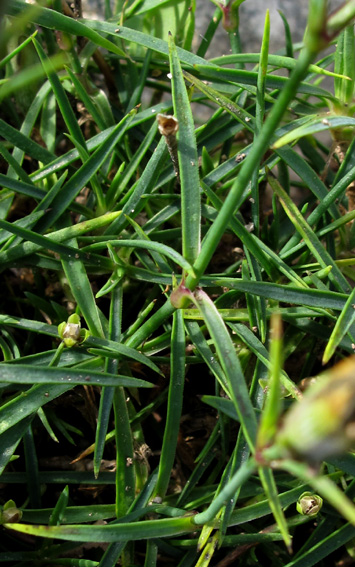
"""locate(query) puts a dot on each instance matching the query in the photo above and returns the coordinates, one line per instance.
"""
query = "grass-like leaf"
(312, 241)
(31, 374)
(175, 399)
(342, 325)
(80, 139)
(112, 533)
(54, 20)
(188, 161)
(230, 364)
(314, 127)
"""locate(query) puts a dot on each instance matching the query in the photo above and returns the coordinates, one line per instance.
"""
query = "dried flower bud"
(168, 125)
(322, 424)
(309, 504)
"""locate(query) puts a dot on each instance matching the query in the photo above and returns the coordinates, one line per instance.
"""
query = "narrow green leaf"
(57, 515)
(287, 294)
(107, 393)
(197, 337)
(151, 554)
(45, 242)
(339, 65)
(237, 480)
(188, 161)
(32, 74)
(25, 222)
(288, 39)
(81, 289)
(242, 77)
(262, 74)
(254, 344)
(342, 325)
(323, 548)
(272, 408)
(347, 87)
(17, 50)
(60, 95)
(146, 182)
(23, 142)
(83, 175)
(54, 20)
(240, 315)
(314, 245)
(259, 147)
(274, 60)
(26, 248)
(175, 400)
(229, 361)
(86, 99)
(222, 405)
(132, 531)
(238, 112)
(104, 414)
(269, 485)
(26, 404)
(31, 374)
(114, 350)
(13, 163)
(147, 245)
(125, 469)
(144, 39)
(321, 124)
(32, 472)
(10, 438)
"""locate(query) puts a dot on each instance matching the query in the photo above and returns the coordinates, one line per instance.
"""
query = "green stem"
(228, 492)
(151, 325)
(57, 355)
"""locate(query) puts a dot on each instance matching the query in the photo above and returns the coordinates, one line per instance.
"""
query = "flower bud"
(10, 513)
(309, 504)
(322, 424)
(70, 332)
(181, 297)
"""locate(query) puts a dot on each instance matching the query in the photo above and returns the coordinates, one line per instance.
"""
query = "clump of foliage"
(170, 281)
